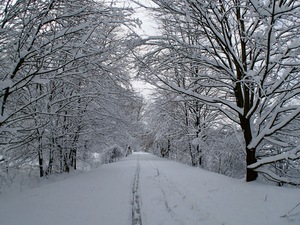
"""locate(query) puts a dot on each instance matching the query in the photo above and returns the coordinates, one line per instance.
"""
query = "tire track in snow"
(168, 207)
(136, 208)
(176, 200)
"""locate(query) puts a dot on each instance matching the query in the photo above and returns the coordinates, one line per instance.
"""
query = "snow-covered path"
(146, 190)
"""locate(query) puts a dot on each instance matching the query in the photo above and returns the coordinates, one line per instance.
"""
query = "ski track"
(136, 206)
(143, 189)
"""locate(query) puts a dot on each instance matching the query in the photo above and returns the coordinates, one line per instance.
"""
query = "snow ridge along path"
(143, 189)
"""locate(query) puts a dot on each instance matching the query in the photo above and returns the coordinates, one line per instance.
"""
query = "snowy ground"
(144, 189)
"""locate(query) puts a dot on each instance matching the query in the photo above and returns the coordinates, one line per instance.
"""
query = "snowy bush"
(112, 154)
(224, 153)
(221, 150)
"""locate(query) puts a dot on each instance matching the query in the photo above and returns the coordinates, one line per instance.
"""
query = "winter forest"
(224, 76)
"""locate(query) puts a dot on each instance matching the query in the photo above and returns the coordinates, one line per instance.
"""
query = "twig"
(290, 210)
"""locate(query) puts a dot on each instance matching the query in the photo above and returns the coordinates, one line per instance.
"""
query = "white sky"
(148, 24)
(144, 88)
(148, 28)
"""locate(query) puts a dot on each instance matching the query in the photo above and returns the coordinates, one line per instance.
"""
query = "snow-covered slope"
(145, 189)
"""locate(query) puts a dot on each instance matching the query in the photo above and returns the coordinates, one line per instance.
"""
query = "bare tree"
(249, 55)
(63, 74)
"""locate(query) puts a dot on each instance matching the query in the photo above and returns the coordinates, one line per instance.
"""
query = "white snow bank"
(179, 194)
(169, 193)
(100, 197)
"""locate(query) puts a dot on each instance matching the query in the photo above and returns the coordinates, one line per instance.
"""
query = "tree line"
(65, 92)
(226, 75)
(222, 64)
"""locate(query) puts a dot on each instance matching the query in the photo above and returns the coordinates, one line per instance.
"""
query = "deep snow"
(145, 189)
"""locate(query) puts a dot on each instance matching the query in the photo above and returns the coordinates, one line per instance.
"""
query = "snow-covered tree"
(165, 122)
(65, 87)
(247, 54)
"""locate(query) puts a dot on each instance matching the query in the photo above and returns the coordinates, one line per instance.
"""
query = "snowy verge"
(166, 193)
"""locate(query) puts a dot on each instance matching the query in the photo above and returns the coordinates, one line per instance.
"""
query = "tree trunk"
(51, 158)
(72, 158)
(41, 166)
(50, 164)
(61, 159)
(251, 174)
(75, 159)
(40, 156)
(73, 151)
(200, 159)
(169, 147)
(66, 164)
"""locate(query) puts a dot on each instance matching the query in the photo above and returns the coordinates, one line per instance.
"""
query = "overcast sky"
(149, 27)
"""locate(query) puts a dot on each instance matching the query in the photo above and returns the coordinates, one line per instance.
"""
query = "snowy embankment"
(145, 189)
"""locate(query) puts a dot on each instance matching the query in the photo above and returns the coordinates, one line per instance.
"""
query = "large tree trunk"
(251, 174)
